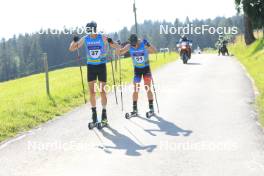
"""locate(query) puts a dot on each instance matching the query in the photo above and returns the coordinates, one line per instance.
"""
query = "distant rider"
(222, 45)
(185, 39)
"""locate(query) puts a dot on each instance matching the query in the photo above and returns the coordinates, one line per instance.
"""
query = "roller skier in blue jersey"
(96, 49)
(139, 51)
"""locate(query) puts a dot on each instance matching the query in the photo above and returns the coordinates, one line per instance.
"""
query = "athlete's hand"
(76, 38)
(110, 40)
(146, 43)
(119, 42)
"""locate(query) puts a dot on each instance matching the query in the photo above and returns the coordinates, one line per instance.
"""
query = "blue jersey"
(95, 49)
(140, 56)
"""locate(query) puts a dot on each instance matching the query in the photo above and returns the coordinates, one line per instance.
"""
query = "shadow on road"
(167, 127)
(190, 63)
(123, 142)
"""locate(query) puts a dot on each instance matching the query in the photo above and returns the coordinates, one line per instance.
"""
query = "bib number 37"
(95, 53)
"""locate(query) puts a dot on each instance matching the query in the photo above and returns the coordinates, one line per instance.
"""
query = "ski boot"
(104, 121)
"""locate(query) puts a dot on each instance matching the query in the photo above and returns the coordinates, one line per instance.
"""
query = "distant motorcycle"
(185, 50)
(224, 50)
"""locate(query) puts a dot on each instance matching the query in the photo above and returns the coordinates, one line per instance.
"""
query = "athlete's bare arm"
(123, 50)
(76, 45)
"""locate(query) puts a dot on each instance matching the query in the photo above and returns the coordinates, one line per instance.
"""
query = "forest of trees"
(22, 55)
(253, 11)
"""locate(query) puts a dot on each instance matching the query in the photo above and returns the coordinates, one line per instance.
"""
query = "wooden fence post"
(46, 69)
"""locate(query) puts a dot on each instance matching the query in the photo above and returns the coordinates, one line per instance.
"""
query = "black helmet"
(184, 38)
(133, 39)
(91, 27)
(119, 42)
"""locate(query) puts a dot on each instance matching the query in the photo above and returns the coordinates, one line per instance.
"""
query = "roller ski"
(104, 121)
(131, 114)
(134, 113)
(94, 123)
(99, 125)
(150, 114)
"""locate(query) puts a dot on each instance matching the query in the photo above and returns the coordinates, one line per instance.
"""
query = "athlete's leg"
(91, 76)
(147, 85)
(102, 77)
(92, 93)
(103, 94)
(137, 80)
(148, 90)
(103, 101)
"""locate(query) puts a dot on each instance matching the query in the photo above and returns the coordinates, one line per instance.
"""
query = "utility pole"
(135, 13)
(46, 69)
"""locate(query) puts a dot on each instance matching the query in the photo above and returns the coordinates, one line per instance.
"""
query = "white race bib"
(95, 53)
(140, 59)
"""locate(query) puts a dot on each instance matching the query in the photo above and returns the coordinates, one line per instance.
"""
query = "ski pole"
(78, 55)
(121, 86)
(113, 75)
(115, 63)
(153, 85)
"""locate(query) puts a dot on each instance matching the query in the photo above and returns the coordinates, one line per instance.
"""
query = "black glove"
(146, 43)
(76, 38)
(110, 40)
(119, 42)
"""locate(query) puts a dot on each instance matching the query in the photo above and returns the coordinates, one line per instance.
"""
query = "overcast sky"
(19, 16)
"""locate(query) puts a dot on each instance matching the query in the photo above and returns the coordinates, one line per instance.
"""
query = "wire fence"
(57, 66)
(41, 69)
(72, 62)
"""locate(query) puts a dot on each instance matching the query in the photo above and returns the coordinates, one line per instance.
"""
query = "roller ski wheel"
(150, 114)
(130, 115)
(92, 125)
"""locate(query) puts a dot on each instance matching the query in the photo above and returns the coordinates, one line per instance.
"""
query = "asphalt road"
(206, 127)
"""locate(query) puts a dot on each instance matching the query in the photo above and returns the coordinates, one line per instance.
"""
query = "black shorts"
(95, 72)
(142, 72)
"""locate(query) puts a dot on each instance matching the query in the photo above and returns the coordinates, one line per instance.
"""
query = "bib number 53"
(140, 59)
